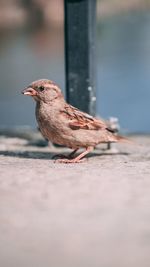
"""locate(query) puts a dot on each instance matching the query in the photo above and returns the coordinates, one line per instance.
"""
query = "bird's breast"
(51, 126)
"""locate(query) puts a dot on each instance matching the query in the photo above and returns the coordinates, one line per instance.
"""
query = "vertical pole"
(80, 28)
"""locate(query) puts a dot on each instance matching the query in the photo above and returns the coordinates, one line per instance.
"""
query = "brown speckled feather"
(81, 120)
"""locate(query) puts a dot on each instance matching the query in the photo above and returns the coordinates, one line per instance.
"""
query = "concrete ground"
(93, 214)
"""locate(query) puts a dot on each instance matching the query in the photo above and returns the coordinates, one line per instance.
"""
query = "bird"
(64, 124)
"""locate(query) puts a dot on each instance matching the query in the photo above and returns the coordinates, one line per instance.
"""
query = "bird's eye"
(41, 88)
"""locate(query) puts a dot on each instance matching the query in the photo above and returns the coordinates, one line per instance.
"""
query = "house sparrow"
(66, 125)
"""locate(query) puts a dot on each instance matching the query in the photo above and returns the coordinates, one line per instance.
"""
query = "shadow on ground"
(50, 155)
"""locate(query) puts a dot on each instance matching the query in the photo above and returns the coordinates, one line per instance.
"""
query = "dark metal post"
(80, 28)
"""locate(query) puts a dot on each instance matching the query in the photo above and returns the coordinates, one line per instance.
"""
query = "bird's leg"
(72, 153)
(78, 158)
(83, 154)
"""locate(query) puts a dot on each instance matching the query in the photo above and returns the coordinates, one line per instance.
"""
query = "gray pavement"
(93, 214)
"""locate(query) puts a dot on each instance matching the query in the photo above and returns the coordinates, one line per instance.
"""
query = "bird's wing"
(81, 120)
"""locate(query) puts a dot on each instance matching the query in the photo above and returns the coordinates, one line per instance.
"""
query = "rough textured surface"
(90, 214)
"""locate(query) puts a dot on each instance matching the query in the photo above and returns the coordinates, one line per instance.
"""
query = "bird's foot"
(77, 159)
(66, 161)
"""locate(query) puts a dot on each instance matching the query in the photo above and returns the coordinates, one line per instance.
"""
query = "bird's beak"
(29, 91)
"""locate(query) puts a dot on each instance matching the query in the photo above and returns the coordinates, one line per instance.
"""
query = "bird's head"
(43, 90)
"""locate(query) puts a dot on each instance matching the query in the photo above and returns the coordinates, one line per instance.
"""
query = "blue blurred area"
(123, 75)
(25, 57)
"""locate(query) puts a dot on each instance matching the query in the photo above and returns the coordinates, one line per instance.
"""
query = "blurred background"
(32, 47)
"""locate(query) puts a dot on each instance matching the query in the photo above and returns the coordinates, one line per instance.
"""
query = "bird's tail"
(123, 139)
